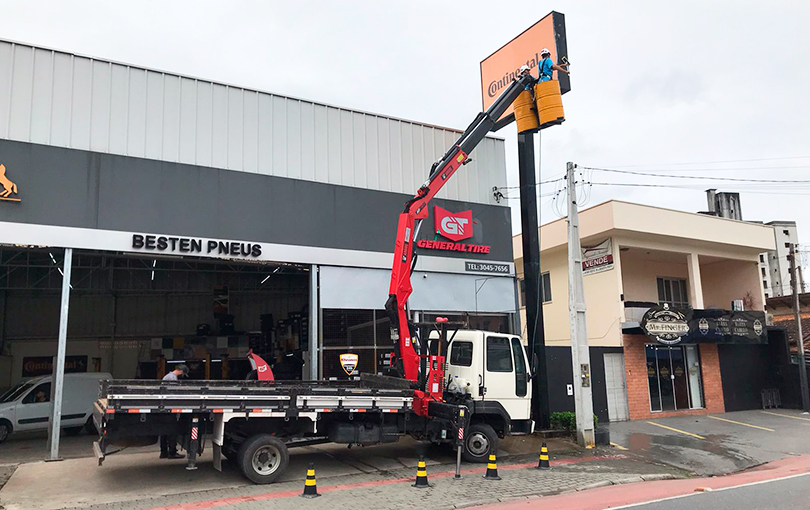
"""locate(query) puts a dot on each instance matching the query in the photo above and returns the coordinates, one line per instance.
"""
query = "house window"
(787, 233)
(761, 257)
(787, 245)
(546, 277)
(765, 283)
(763, 271)
(672, 291)
(545, 289)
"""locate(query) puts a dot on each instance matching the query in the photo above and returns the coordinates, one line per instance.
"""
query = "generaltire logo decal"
(456, 227)
(453, 226)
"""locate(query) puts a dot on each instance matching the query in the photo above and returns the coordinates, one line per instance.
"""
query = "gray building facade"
(208, 219)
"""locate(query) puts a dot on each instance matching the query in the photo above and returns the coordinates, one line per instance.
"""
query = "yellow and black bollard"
(421, 475)
(310, 487)
(492, 469)
(543, 464)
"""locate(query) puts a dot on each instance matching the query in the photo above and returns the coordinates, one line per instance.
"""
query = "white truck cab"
(494, 371)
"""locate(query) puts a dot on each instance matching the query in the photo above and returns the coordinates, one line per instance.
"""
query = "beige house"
(638, 257)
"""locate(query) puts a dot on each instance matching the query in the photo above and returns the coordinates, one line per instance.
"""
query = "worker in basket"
(546, 66)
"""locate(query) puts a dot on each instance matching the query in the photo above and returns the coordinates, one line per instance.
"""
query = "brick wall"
(638, 393)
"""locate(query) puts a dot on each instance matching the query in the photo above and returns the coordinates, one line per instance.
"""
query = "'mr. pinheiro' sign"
(195, 246)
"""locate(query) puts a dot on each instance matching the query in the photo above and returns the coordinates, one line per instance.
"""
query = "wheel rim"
(478, 444)
(266, 460)
(3, 432)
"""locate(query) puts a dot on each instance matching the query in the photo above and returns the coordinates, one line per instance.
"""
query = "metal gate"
(616, 387)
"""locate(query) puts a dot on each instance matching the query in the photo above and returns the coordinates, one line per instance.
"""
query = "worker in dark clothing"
(524, 69)
(288, 366)
(168, 443)
(546, 66)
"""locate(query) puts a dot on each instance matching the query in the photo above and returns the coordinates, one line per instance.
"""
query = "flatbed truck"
(466, 388)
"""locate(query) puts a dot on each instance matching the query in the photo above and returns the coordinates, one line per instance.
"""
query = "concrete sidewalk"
(380, 490)
(80, 482)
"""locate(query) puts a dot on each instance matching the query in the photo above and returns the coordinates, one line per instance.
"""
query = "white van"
(27, 406)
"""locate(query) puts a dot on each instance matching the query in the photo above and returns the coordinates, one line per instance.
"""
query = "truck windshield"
(15, 392)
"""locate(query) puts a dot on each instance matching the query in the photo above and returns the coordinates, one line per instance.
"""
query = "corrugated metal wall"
(61, 99)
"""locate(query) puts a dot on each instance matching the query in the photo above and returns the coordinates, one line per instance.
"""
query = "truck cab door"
(506, 375)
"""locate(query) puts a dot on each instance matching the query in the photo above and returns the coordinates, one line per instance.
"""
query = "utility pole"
(797, 312)
(580, 355)
(531, 275)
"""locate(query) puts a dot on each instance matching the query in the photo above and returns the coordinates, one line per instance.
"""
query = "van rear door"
(78, 396)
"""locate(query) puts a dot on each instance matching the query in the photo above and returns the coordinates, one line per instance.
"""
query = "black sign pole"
(531, 274)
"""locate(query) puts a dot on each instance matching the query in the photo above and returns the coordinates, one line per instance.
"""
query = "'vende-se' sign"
(191, 245)
(598, 258)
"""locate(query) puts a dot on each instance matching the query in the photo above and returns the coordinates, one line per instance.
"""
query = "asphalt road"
(715, 444)
(782, 484)
(789, 494)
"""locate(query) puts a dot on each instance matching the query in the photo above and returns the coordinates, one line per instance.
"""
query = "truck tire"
(262, 458)
(480, 440)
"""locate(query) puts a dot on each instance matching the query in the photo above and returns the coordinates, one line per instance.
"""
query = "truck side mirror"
(535, 363)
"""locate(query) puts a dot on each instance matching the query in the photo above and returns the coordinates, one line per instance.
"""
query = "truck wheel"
(5, 430)
(480, 440)
(262, 458)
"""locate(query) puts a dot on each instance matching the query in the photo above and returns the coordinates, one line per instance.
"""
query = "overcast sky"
(653, 83)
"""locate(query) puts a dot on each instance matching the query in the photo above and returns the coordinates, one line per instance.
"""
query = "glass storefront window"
(674, 377)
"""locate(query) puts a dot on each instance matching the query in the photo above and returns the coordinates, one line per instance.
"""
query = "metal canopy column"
(314, 337)
(59, 365)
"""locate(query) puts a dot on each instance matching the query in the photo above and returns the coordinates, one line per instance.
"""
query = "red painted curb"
(645, 492)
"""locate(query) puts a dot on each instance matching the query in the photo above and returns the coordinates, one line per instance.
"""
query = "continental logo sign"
(9, 187)
(499, 69)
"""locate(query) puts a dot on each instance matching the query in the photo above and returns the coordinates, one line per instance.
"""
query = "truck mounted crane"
(403, 332)
(253, 423)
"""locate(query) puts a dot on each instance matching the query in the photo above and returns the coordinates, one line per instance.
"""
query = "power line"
(529, 186)
(689, 188)
(736, 169)
(729, 179)
(719, 162)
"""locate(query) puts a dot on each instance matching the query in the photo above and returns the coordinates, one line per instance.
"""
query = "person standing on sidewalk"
(168, 443)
